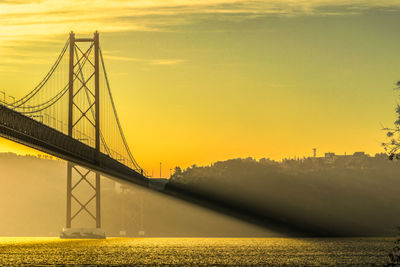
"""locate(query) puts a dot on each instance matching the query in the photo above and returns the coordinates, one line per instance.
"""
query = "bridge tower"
(77, 112)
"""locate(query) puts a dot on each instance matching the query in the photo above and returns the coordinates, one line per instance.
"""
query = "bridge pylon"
(83, 111)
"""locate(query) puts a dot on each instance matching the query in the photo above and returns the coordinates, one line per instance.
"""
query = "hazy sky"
(197, 81)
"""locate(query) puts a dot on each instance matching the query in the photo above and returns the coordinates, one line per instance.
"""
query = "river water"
(195, 251)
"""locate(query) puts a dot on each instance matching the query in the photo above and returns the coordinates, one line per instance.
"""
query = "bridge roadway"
(27, 131)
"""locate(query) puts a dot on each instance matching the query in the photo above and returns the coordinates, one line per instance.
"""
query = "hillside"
(333, 196)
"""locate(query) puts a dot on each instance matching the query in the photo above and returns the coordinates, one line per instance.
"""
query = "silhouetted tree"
(177, 172)
(392, 146)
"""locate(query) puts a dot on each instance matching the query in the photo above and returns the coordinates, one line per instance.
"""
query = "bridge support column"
(79, 107)
(69, 198)
(79, 178)
(98, 213)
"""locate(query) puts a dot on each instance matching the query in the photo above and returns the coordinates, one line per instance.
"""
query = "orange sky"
(201, 81)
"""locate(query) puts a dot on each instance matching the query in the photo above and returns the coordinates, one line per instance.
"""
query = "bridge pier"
(78, 177)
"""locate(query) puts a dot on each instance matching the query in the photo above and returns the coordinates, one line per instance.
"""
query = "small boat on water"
(84, 233)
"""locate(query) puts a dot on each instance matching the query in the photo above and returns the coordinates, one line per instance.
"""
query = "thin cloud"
(126, 59)
(50, 17)
(9, 69)
(23, 60)
(146, 61)
(23, 22)
(164, 62)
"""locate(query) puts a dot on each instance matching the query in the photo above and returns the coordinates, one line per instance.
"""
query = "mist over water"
(351, 196)
(33, 203)
(33, 195)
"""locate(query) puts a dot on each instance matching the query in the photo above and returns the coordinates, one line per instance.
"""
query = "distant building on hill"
(360, 154)
(331, 155)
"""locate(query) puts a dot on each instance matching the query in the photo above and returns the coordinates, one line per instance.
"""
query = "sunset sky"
(198, 81)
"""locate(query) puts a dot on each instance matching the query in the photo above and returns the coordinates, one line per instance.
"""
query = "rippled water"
(195, 251)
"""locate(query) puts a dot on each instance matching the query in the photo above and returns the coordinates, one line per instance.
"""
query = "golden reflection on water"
(195, 251)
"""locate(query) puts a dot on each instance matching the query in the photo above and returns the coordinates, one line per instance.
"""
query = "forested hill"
(353, 195)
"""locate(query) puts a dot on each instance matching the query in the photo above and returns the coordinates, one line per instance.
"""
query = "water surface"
(195, 251)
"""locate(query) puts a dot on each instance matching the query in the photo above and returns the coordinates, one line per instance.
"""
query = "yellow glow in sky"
(201, 81)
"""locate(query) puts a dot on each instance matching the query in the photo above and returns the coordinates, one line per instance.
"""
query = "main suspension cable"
(117, 119)
(31, 94)
(53, 100)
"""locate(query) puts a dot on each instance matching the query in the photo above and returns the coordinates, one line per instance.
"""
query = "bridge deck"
(22, 129)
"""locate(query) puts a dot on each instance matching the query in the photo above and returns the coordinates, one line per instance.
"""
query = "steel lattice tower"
(82, 114)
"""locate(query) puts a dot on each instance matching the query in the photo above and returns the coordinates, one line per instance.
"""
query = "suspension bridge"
(71, 114)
